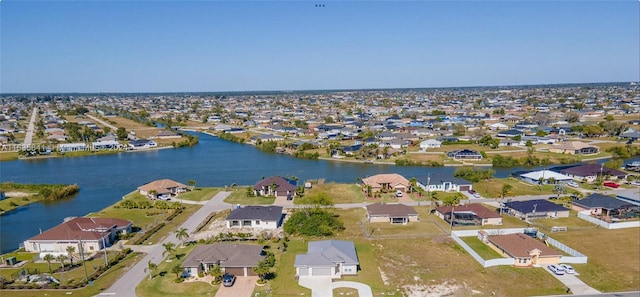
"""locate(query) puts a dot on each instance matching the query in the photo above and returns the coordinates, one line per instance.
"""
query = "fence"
(469, 249)
(585, 216)
(576, 257)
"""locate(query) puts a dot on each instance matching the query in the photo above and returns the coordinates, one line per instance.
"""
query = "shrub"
(313, 222)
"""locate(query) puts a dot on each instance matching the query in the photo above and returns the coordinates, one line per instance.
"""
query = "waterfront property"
(236, 259)
(574, 148)
(469, 214)
(84, 234)
(275, 186)
(534, 209)
(465, 154)
(545, 177)
(162, 189)
(333, 258)
(257, 217)
(525, 250)
(386, 182)
(72, 147)
(394, 213)
(589, 172)
(142, 144)
(446, 183)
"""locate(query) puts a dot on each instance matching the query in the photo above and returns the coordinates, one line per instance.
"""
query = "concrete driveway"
(577, 286)
(322, 286)
(242, 288)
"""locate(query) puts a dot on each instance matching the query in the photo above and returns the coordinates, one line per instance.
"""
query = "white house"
(445, 183)
(429, 144)
(72, 147)
(257, 217)
(333, 258)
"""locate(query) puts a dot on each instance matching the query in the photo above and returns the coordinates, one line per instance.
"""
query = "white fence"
(585, 215)
(576, 257)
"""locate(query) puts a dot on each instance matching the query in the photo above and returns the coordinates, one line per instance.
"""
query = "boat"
(633, 166)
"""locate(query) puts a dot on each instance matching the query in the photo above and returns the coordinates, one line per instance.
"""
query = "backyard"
(240, 196)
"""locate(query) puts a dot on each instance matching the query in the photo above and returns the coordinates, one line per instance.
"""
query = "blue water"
(104, 179)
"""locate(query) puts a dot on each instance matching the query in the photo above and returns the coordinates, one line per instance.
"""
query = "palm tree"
(177, 270)
(506, 188)
(70, 251)
(216, 272)
(182, 234)
(414, 184)
(49, 258)
(192, 183)
(262, 269)
(169, 248)
(150, 268)
(153, 194)
(61, 258)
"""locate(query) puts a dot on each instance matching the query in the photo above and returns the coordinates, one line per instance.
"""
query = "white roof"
(546, 174)
(431, 141)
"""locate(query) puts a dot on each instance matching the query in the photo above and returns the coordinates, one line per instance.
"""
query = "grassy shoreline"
(18, 195)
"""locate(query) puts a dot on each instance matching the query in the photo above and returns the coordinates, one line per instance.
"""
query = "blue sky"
(167, 46)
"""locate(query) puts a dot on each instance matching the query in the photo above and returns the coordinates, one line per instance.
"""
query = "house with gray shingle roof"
(328, 258)
(601, 205)
(236, 259)
(394, 213)
(259, 217)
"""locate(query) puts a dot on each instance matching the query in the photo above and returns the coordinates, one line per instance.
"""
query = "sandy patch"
(18, 194)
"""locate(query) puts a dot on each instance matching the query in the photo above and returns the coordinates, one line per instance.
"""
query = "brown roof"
(227, 254)
(81, 228)
(161, 185)
(480, 211)
(392, 210)
(393, 179)
(520, 245)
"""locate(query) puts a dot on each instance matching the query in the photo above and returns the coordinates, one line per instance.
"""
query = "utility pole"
(452, 218)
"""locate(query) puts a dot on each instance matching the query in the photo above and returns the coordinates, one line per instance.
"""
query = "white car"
(572, 184)
(567, 268)
(557, 269)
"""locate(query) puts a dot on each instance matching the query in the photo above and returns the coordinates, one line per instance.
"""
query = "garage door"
(250, 272)
(465, 188)
(321, 271)
(303, 271)
(237, 271)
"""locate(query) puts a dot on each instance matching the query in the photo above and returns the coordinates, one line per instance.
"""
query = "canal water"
(104, 179)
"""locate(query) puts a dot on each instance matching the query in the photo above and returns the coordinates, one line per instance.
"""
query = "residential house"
(589, 172)
(142, 144)
(266, 137)
(236, 259)
(386, 182)
(545, 177)
(442, 182)
(510, 133)
(257, 217)
(275, 186)
(498, 126)
(469, 214)
(534, 209)
(605, 206)
(84, 234)
(394, 213)
(525, 250)
(163, 189)
(430, 144)
(465, 154)
(574, 148)
(333, 258)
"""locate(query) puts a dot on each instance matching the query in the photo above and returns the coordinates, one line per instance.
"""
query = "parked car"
(611, 185)
(556, 269)
(228, 280)
(472, 192)
(567, 268)
(398, 193)
(572, 184)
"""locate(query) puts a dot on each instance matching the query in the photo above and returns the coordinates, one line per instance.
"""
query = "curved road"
(126, 285)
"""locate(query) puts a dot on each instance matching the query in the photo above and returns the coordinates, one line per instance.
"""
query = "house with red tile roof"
(86, 234)
(525, 250)
(386, 182)
(164, 189)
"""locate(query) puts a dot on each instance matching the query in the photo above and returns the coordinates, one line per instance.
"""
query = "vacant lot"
(199, 194)
(340, 193)
(240, 196)
(493, 188)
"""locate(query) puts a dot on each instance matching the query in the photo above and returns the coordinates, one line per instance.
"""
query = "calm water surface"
(105, 179)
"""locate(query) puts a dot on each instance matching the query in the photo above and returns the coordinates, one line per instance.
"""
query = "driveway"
(242, 288)
(577, 286)
(322, 286)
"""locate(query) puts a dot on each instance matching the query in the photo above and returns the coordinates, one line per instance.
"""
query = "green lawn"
(162, 283)
(239, 196)
(199, 194)
(493, 188)
(340, 193)
(479, 247)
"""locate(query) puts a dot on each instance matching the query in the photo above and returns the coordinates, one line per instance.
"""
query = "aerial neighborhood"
(563, 220)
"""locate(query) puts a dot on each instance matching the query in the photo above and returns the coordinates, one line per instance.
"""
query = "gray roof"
(599, 200)
(264, 213)
(538, 205)
(226, 254)
(392, 210)
(437, 179)
(327, 253)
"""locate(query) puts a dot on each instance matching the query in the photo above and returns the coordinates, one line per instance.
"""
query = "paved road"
(126, 285)
(112, 127)
(28, 138)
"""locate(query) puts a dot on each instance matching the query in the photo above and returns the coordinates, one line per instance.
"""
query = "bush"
(313, 222)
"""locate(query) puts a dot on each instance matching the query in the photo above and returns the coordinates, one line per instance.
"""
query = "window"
(257, 222)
